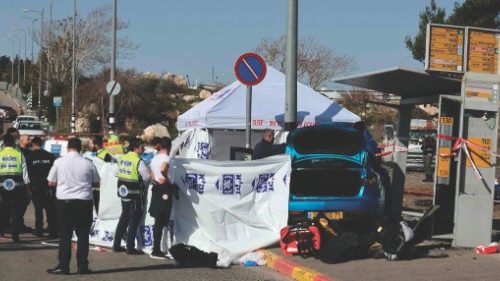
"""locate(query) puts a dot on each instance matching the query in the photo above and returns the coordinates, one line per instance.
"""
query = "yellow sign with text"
(447, 121)
(443, 166)
(480, 156)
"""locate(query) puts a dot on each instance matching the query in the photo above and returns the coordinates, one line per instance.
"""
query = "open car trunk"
(325, 182)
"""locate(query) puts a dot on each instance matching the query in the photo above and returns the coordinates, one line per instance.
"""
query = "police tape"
(395, 149)
(463, 144)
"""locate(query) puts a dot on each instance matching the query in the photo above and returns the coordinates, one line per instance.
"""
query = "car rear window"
(30, 126)
(328, 141)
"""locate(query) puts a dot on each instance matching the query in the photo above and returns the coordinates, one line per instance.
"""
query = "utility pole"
(291, 67)
(112, 71)
(73, 72)
(18, 60)
(49, 42)
(25, 57)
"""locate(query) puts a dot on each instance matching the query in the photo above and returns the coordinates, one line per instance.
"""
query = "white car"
(23, 118)
(31, 128)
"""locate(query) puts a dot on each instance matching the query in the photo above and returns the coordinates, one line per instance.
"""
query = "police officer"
(74, 176)
(14, 181)
(429, 149)
(132, 175)
(39, 164)
(96, 146)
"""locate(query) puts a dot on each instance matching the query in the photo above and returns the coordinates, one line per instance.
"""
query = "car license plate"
(339, 215)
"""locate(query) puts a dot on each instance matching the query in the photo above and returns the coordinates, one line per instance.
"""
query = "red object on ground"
(485, 250)
(292, 236)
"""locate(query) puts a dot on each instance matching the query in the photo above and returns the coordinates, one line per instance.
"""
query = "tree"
(416, 44)
(93, 45)
(478, 13)
(316, 63)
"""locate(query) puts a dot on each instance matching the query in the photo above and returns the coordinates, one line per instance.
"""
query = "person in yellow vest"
(114, 146)
(132, 176)
(96, 146)
(14, 182)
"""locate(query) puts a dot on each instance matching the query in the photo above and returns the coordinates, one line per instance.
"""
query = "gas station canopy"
(404, 82)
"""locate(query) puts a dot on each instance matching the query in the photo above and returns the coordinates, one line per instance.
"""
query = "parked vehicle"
(334, 171)
(31, 128)
(23, 118)
(7, 114)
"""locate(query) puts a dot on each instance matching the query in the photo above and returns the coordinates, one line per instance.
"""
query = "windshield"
(30, 126)
(328, 141)
(25, 118)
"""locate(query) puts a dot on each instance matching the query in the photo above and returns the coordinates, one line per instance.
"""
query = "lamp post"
(40, 62)
(32, 35)
(12, 63)
(18, 58)
(112, 71)
(73, 73)
(24, 61)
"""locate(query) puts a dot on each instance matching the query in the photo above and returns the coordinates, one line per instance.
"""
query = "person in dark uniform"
(24, 147)
(14, 182)
(74, 176)
(161, 197)
(132, 176)
(39, 164)
(429, 150)
(96, 146)
(266, 146)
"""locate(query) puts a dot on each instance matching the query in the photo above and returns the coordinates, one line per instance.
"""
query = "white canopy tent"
(226, 109)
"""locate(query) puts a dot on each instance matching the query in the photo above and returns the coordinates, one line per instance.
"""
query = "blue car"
(334, 172)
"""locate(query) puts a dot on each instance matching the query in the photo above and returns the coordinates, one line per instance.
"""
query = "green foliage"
(416, 44)
(479, 13)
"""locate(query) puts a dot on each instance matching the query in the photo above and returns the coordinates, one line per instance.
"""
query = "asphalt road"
(29, 260)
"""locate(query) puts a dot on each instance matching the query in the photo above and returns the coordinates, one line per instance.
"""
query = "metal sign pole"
(249, 117)
(57, 117)
(291, 66)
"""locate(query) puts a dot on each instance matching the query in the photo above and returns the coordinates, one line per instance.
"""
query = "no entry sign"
(250, 69)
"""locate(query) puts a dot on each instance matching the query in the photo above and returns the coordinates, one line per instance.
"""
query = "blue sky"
(192, 36)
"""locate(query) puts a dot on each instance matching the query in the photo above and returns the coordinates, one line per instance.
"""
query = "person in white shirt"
(161, 196)
(75, 176)
(133, 175)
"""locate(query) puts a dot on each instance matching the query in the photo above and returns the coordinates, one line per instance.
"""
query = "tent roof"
(404, 82)
(226, 109)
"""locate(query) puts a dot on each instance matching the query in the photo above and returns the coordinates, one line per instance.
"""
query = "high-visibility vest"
(11, 170)
(101, 154)
(129, 180)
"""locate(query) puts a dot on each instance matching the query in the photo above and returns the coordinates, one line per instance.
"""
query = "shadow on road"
(139, 268)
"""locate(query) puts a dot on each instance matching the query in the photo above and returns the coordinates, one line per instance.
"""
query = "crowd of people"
(68, 189)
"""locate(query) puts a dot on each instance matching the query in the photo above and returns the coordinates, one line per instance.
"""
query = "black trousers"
(160, 208)
(74, 215)
(13, 205)
(97, 195)
(44, 199)
(132, 212)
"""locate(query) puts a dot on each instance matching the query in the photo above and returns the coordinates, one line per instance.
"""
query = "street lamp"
(24, 61)
(12, 62)
(18, 59)
(32, 34)
(41, 49)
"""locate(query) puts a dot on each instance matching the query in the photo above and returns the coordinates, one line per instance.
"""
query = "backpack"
(302, 238)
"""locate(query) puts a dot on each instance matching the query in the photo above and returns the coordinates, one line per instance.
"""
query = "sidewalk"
(462, 264)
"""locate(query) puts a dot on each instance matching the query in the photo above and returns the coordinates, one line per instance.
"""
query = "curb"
(292, 269)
